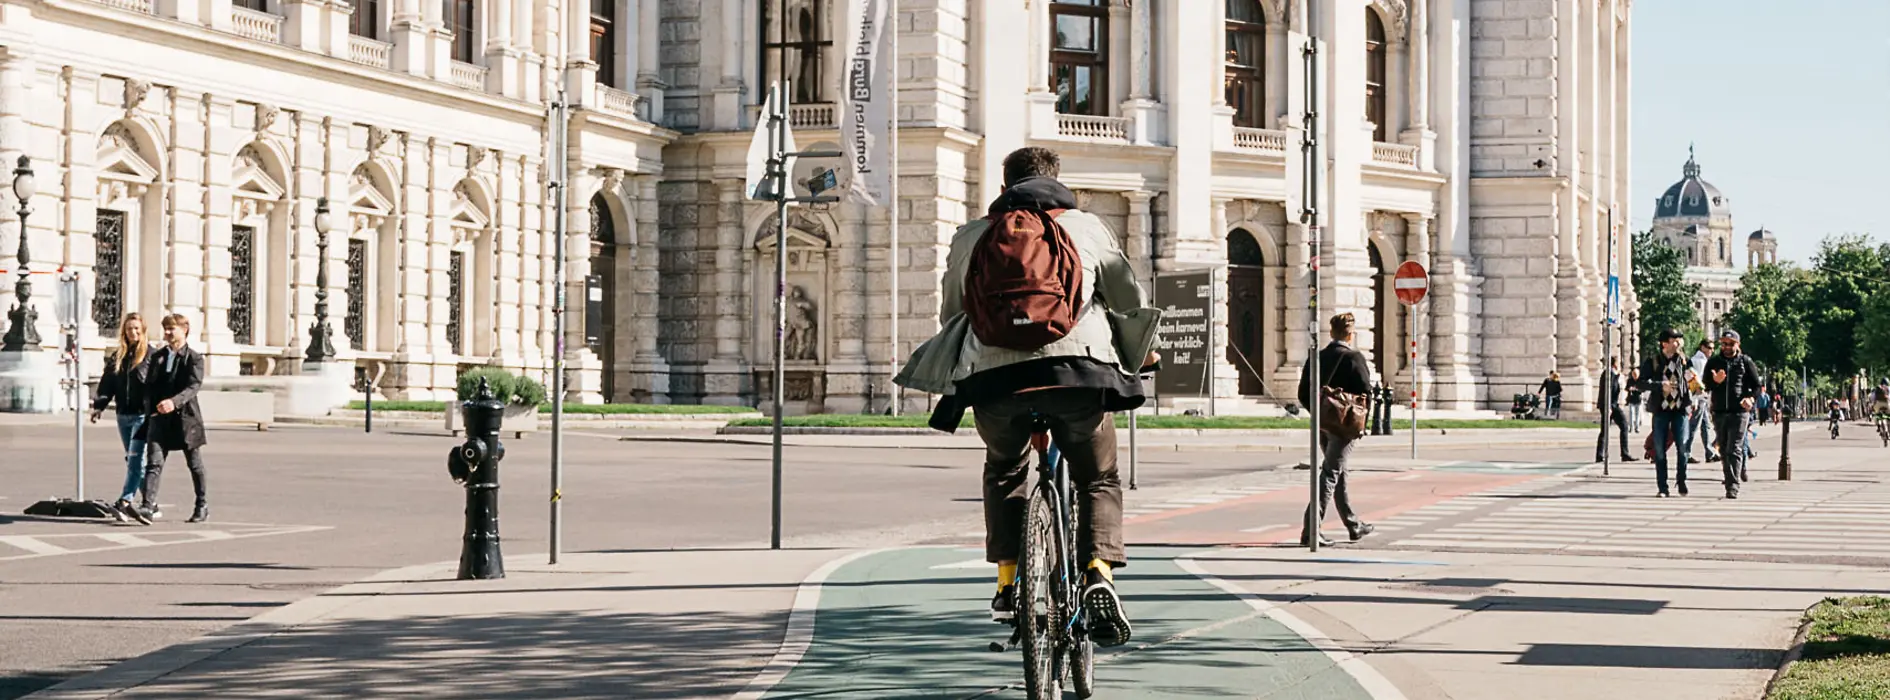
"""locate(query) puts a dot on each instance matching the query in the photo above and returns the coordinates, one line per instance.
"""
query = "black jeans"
(1619, 418)
(1086, 435)
(1332, 482)
(154, 473)
(1732, 447)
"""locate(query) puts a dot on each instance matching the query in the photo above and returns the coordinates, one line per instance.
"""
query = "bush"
(502, 382)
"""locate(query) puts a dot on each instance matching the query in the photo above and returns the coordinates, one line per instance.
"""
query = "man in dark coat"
(1346, 369)
(1665, 378)
(176, 423)
(1732, 382)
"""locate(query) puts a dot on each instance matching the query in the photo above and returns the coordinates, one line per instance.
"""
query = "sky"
(1788, 104)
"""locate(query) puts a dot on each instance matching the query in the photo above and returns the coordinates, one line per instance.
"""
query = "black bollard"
(475, 464)
(1391, 398)
(1785, 448)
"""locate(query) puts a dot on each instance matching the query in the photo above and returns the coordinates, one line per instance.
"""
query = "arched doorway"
(1384, 348)
(1246, 311)
(600, 294)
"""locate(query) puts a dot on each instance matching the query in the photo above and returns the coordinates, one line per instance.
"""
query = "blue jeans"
(1701, 428)
(128, 425)
(1670, 426)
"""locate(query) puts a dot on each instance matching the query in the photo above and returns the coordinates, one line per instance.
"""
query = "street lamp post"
(320, 346)
(23, 335)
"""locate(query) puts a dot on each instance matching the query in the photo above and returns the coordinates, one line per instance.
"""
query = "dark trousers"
(1732, 446)
(1670, 426)
(154, 474)
(1332, 482)
(1086, 435)
(1619, 417)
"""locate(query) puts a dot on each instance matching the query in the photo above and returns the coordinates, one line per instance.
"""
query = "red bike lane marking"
(1432, 487)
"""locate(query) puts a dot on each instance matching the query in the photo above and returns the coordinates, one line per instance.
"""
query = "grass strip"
(1847, 653)
(574, 408)
(1151, 422)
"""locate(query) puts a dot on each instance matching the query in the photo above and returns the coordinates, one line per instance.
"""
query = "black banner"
(1187, 303)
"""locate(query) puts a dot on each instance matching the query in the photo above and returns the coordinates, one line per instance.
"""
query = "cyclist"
(1880, 397)
(1837, 413)
(1071, 384)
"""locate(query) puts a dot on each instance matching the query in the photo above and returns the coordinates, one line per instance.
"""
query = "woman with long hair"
(127, 371)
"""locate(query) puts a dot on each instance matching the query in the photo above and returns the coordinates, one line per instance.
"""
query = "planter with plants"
(522, 396)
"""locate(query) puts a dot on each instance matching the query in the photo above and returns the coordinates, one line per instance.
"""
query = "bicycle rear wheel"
(1037, 607)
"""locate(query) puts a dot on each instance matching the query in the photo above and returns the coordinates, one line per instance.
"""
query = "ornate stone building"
(1696, 219)
(1486, 139)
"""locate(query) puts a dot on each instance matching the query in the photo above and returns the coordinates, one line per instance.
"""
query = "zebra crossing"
(1215, 497)
(1819, 519)
(14, 547)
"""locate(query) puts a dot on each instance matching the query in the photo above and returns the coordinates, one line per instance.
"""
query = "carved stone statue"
(803, 326)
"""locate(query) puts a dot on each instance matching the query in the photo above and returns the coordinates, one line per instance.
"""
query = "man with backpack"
(1348, 376)
(1043, 324)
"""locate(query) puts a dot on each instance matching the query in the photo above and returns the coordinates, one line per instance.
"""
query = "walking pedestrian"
(1347, 370)
(1700, 429)
(1668, 380)
(1611, 393)
(175, 422)
(127, 370)
(1732, 383)
(1551, 391)
(1634, 400)
(1765, 406)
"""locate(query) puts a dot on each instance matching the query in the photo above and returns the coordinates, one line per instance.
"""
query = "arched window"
(1375, 74)
(604, 40)
(801, 45)
(1722, 250)
(1242, 249)
(459, 20)
(1246, 62)
(1079, 56)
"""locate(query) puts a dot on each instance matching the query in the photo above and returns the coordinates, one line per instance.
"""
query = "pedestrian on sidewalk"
(1765, 406)
(175, 422)
(1551, 391)
(127, 370)
(1611, 392)
(1347, 370)
(1668, 378)
(1732, 383)
(1634, 400)
(1700, 429)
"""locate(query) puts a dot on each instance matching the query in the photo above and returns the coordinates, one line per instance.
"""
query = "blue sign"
(1614, 299)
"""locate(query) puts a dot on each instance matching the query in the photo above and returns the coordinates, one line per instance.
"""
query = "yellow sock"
(1007, 573)
(1102, 567)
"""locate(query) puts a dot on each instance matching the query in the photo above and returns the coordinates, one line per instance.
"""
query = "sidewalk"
(1154, 440)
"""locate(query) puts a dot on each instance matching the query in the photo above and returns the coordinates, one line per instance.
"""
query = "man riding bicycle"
(1069, 385)
(1880, 397)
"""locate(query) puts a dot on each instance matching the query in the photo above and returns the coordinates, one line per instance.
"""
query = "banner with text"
(866, 101)
(1187, 332)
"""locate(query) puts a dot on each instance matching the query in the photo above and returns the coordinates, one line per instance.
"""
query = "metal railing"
(369, 52)
(1395, 154)
(1083, 126)
(1269, 140)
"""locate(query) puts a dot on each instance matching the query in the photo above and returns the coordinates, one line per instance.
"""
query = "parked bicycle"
(1050, 623)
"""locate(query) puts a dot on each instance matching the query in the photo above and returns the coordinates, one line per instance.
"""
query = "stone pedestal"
(29, 382)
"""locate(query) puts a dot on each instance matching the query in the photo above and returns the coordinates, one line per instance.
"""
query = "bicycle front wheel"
(1037, 608)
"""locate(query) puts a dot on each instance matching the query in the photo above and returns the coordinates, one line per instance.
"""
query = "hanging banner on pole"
(866, 102)
(757, 183)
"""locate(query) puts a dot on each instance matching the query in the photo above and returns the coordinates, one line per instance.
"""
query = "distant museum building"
(1696, 219)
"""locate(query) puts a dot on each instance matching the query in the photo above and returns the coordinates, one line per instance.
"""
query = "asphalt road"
(299, 510)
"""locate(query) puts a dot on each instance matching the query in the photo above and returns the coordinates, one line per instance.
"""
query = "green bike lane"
(913, 623)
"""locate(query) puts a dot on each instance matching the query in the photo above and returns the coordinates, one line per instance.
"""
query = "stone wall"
(680, 35)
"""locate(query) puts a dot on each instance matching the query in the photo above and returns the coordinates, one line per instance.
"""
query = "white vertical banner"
(866, 101)
(758, 185)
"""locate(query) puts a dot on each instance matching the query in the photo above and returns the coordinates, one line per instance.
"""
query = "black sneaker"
(1363, 530)
(1004, 606)
(199, 515)
(123, 509)
(152, 512)
(1108, 624)
(1683, 488)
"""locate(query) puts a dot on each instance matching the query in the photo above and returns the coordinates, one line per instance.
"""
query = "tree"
(1846, 273)
(1769, 313)
(1873, 332)
(1660, 284)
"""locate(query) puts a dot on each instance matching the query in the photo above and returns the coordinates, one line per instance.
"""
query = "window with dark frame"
(1375, 74)
(805, 45)
(366, 20)
(242, 313)
(1079, 56)
(604, 40)
(455, 301)
(257, 5)
(459, 20)
(108, 240)
(1246, 86)
(354, 322)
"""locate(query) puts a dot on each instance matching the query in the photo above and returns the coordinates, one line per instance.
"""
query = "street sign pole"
(1310, 173)
(1410, 284)
(1611, 308)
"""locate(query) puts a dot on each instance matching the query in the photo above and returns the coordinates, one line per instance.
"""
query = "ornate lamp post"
(23, 335)
(320, 347)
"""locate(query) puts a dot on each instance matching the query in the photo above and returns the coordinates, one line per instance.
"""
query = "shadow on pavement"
(258, 566)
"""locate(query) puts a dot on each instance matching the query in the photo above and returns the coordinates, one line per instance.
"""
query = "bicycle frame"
(1054, 480)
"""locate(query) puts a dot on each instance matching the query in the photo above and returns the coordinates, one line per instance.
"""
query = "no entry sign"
(1410, 283)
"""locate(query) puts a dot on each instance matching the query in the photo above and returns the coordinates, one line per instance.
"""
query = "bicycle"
(1050, 623)
(1834, 425)
(1883, 427)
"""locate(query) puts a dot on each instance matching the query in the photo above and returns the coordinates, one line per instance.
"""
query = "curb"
(1151, 432)
(1792, 653)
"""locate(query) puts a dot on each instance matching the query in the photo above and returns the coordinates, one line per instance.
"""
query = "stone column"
(1139, 245)
(649, 74)
(1193, 81)
(186, 243)
(728, 94)
(219, 151)
(1282, 59)
(509, 230)
(650, 382)
(502, 54)
(1418, 132)
(584, 378)
(1142, 108)
(1572, 315)
(531, 62)
(409, 33)
(725, 379)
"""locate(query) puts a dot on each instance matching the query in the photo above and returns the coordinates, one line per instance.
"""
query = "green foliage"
(511, 388)
(1666, 298)
(1846, 272)
(1769, 313)
(528, 392)
(1873, 334)
(404, 406)
(647, 409)
(1847, 653)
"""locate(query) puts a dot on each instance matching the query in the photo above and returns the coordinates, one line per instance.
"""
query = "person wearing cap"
(1700, 428)
(1732, 386)
(1666, 378)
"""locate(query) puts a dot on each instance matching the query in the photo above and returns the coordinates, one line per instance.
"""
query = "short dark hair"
(1031, 161)
(1342, 325)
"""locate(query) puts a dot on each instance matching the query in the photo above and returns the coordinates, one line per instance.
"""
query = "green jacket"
(1114, 323)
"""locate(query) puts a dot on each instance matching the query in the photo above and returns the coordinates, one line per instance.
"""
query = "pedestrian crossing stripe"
(13, 547)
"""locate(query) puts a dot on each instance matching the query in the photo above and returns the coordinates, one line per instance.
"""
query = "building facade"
(1695, 218)
(1486, 139)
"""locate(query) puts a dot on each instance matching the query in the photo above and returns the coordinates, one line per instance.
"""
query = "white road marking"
(34, 545)
(39, 547)
(800, 629)
(968, 564)
(127, 540)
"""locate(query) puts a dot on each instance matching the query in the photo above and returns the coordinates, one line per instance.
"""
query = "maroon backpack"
(1021, 291)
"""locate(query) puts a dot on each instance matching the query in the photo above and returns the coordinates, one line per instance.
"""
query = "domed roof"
(1760, 235)
(1691, 196)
